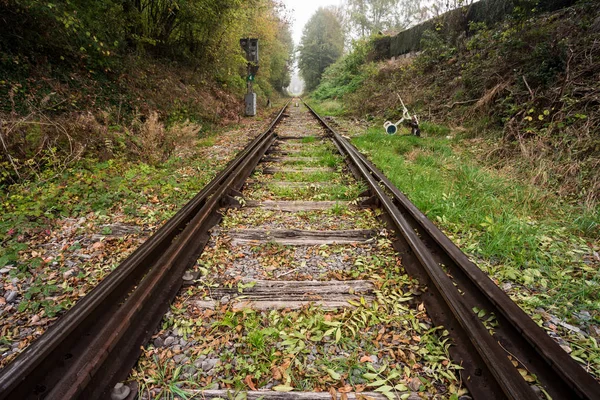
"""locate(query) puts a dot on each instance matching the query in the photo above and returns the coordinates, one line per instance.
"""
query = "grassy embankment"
(540, 249)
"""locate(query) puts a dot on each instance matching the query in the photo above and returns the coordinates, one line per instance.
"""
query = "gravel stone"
(178, 358)
(414, 384)
(566, 348)
(120, 392)
(190, 369)
(11, 296)
(169, 341)
(158, 342)
(584, 315)
(209, 364)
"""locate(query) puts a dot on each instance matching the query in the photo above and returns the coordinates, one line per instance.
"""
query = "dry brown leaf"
(345, 389)
(249, 382)
(333, 393)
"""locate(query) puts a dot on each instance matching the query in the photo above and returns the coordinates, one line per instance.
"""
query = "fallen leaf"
(334, 375)
(345, 389)
(333, 393)
(249, 382)
(283, 388)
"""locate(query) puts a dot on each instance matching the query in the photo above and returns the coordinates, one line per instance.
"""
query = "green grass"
(334, 191)
(144, 194)
(309, 139)
(313, 150)
(328, 107)
(315, 176)
(169, 379)
(331, 192)
(207, 142)
(515, 232)
(434, 129)
(327, 159)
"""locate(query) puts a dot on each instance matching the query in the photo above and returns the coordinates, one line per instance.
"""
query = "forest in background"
(127, 77)
(335, 30)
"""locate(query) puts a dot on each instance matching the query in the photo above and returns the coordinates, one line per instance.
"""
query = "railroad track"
(302, 279)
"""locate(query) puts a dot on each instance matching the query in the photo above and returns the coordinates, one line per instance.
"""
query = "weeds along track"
(299, 272)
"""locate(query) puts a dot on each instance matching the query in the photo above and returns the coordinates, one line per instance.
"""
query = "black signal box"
(250, 46)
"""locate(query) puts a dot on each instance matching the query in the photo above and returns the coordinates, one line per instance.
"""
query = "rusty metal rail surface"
(455, 287)
(97, 342)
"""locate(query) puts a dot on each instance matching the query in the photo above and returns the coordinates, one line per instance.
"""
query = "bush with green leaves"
(347, 73)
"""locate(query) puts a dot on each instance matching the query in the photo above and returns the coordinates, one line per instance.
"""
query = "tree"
(321, 45)
(366, 17)
(281, 61)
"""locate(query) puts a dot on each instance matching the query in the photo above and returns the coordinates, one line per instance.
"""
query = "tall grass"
(514, 231)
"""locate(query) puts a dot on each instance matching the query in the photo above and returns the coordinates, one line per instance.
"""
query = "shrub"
(348, 73)
(154, 144)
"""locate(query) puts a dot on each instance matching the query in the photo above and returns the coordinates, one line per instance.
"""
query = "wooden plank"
(269, 289)
(276, 295)
(289, 184)
(301, 185)
(285, 152)
(265, 305)
(291, 159)
(299, 237)
(272, 171)
(273, 395)
(295, 137)
(292, 206)
(291, 145)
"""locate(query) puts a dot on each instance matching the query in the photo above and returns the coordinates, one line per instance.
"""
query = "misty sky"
(302, 10)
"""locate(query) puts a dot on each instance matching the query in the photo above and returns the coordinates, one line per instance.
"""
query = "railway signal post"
(250, 47)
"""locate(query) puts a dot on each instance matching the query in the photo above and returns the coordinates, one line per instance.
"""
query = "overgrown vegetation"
(64, 232)
(544, 253)
(75, 85)
(386, 343)
(529, 87)
(348, 73)
(508, 165)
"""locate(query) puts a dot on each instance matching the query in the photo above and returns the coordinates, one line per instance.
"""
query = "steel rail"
(564, 376)
(560, 375)
(89, 348)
